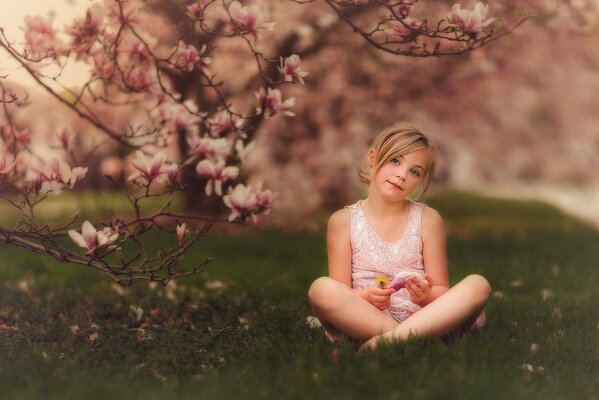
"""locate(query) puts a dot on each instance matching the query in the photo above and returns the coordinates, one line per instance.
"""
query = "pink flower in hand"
(241, 201)
(470, 21)
(246, 19)
(91, 239)
(290, 68)
(271, 102)
(218, 174)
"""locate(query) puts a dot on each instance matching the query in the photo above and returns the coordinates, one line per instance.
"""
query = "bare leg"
(336, 304)
(459, 305)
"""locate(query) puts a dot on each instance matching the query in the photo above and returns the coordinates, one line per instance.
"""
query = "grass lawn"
(238, 330)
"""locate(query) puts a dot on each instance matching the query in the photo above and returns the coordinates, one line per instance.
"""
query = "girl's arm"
(339, 254)
(338, 247)
(434, 253)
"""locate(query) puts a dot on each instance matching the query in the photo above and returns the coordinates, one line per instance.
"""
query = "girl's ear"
(371, 158)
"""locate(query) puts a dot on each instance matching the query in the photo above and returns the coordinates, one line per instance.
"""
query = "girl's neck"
(379, 207)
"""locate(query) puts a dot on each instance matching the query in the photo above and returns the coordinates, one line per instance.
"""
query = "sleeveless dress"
(372, 257)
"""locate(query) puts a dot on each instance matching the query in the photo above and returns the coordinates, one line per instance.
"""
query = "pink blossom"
(224, 122)
(187, 57)
(58, 176)
(91, 239)
(150, 169)
(246, 19)
(104, 67)
(40, 37)
(241, 201)
(181, 231)
(264, 198)
(196, 9)
(403, 9)
(209, 148)
(407, 28)
(290, 68)
(23, 136)
(218, 174)
(64, 138)
(470, 21)
(84, 31)
(271, 103)
(130, 15)
(176, 117)
(7, 163)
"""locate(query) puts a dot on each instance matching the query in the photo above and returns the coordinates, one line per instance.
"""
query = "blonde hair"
(397, 141)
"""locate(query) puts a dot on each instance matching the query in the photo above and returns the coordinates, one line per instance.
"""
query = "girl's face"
(398, 177)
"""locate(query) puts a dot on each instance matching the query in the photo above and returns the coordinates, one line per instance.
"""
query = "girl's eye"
(415, 172)
(394, 161)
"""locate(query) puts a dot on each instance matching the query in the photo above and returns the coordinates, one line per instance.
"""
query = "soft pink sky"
(11, 19)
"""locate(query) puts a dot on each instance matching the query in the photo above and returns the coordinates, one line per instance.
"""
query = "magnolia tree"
(129, 66)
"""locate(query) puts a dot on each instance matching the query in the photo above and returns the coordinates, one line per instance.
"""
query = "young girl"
(387, 236)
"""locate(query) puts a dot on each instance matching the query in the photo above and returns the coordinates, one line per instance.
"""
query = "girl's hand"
(378, 296)
(419, 288)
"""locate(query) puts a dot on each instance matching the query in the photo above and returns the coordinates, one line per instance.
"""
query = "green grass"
(68, 333)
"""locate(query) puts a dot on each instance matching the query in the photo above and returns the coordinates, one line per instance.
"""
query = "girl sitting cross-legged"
(388, 277)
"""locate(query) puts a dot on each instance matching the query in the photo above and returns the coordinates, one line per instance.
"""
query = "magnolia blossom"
(23, 136)
(58, 176)
(151, 169)
(187, 56)
(470, 21)
(241, 201)
(271, 102)
(224, 122)
(64, 138)
(214, 149)
(407, 28)
(177, 117)
(290, 69)
(218, 174)
(197, 9)
(246, 19)
(264, 198)
(84, 31)
(40, 37)
(7, 163)
(91, 239)
(181, 231)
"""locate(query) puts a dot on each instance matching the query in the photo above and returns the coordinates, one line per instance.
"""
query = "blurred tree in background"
(191, 96)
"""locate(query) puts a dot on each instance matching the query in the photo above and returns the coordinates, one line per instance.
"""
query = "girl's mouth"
(396, 186)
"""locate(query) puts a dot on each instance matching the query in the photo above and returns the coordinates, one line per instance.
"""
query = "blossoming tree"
(130, 66)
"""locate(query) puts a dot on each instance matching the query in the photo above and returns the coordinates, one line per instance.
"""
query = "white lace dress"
(372, 257)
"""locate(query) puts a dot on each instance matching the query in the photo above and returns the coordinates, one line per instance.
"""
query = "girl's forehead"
(422, 155)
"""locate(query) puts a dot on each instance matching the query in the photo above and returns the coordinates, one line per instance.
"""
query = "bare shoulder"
(432, 222)
(339, 220)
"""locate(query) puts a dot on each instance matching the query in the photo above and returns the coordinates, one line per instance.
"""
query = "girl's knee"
(479, 287)
(323, 292)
